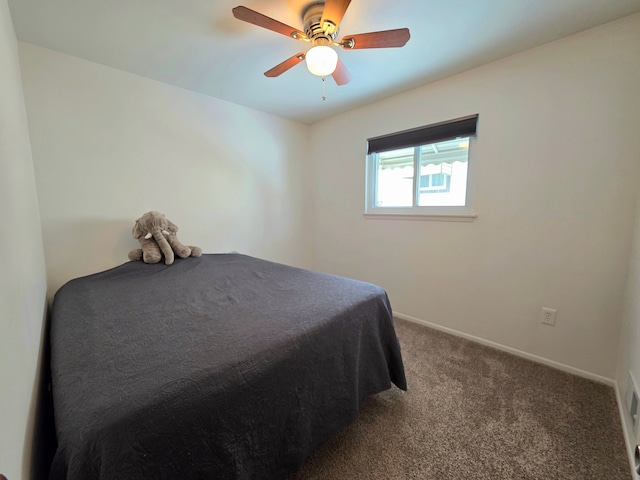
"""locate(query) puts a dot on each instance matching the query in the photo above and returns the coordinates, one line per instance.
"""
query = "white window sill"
(437, 217)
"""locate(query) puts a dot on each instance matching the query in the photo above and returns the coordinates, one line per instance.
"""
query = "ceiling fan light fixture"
(322, 60)
(321, 20)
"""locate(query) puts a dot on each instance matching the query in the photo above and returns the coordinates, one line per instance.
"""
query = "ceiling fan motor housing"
(314, 29)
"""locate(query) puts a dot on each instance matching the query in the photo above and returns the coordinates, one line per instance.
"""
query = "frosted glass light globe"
(321, 60)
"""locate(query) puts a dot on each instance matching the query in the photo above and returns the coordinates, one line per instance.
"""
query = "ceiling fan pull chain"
(324, 90)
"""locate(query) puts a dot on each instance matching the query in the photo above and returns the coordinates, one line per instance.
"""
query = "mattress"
(223, 367)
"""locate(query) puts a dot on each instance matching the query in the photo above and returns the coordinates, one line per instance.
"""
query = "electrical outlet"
(548, 316)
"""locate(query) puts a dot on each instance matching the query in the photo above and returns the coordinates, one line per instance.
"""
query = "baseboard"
(514, 351)
(625, 433)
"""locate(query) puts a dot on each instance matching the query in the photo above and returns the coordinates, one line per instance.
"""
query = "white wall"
(629, 352)
(557, 173)
(109, 146)
(22, 276)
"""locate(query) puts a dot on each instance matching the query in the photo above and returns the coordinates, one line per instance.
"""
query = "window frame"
(434, 133)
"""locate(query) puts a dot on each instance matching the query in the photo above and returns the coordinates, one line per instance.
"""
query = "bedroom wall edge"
(625, 431)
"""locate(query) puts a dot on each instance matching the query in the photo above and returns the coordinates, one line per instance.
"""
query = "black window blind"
(437, 132)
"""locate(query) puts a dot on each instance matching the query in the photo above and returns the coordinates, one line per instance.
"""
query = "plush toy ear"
(137, 230)
(171, 226)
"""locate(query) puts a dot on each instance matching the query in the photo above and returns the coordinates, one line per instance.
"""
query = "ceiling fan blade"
(251, 16)
(334, 11)
(383, 39)
(341, 75)
(286, 65)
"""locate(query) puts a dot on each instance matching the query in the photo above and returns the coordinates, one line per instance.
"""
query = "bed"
(219, 367)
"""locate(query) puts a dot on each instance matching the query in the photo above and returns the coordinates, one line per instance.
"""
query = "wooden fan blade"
(334, 11)
(341, 75)
(251, 16)
(383, 39)
(286, 65)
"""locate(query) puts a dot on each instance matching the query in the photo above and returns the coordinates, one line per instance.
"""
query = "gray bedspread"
(218, 367)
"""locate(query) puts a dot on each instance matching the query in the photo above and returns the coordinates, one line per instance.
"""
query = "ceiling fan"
(321, 21)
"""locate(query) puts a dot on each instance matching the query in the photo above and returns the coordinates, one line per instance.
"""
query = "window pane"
(445, 164)
(395, 178)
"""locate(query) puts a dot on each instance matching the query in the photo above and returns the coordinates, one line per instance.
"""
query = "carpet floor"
(473, 412)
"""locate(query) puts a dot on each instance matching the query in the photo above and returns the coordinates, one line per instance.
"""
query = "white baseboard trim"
(514, 351)
(625, 433)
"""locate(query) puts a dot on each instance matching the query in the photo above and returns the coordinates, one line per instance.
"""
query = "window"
(423, 171)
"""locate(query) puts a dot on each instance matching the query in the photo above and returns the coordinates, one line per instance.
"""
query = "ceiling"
(200, 46)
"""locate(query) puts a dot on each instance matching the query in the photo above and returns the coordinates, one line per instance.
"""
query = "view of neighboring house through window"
(441, 180)
(421, 171)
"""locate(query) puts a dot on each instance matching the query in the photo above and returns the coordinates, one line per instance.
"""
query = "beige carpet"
(472, 412)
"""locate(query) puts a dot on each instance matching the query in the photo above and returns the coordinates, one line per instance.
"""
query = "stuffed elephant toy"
(157, 237)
